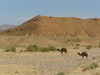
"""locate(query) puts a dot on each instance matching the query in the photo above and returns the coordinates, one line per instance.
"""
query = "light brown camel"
(83, 54)
(63, 50)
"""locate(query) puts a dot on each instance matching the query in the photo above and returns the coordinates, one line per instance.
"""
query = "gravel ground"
(48, 63)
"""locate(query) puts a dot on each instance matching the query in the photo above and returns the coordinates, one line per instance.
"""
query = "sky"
(16, 12)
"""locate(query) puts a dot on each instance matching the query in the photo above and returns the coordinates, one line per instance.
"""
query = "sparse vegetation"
(36, 47)
(76, 48)
(61, 73)
(95, 46)
(32, 48)
(12, 49)
(74, 40)
(21, 51)
(99, 45)
(52, 48)
(78, 40)
(92, 66)
(77, 44)
(21, 40)
(68, 39)
(47, 58)
(88, 47)
(44, 49)
(97, 73)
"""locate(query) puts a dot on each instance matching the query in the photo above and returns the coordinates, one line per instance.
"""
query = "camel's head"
(78, 53)
(58, 50)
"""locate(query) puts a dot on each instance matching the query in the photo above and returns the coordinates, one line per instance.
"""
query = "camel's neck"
(58, 49)
(79, 54)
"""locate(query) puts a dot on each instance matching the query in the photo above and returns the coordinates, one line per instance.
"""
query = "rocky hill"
(57, 27)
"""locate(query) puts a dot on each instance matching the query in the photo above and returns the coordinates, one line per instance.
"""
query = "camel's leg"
(83, 56)
(62, 52)
(65, 52)
(86, 57)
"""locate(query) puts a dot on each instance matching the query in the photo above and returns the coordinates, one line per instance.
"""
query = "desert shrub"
(76, 48)
(99, 45)
(78, 40)
(52, 48)
(95, 64)
(95, 46)
(91, 66)
(11, 49)
(22, 39)
(88, 47)
(21, 51)
(77, 44)
(36, 47)
(32, 48)
(44, 49)
(98, 73)
(61, 73)
(68, 40)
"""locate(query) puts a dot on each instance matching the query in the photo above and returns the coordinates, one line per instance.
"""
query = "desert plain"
(48, 63)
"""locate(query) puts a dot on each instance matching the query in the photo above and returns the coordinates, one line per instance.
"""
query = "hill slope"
(57, 27)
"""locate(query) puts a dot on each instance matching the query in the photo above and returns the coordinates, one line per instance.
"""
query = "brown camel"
(63, 50)
(83, 54)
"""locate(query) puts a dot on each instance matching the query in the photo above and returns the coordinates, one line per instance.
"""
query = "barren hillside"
(57, 27)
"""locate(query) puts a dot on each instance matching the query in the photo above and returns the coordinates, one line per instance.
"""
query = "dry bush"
(32, 48)
(88, 47)
(76, 48)
(11, 49)
(91, 66)
(61, 73)
(52, 48)
(44, 49)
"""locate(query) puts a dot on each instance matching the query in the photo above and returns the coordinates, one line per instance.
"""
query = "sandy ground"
(48, 63)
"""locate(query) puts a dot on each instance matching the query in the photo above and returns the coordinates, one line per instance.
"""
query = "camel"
(83, 54)
(63, 50)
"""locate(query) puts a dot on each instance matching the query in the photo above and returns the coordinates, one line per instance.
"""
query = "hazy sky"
(18, 11)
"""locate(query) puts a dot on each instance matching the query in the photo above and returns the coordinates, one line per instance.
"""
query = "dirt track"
(48, 63)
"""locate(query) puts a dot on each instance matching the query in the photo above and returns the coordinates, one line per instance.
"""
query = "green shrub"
(88, 47)
(44, 49)
(52, 48)
(76, 48)
(87, 68)
(95, 64)
(99, 45)
(77, 44)
(68, 40)
(61, 73)
(12, 49)
(32, 48)
(21, 51)
(36, 47)
(92, 66)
